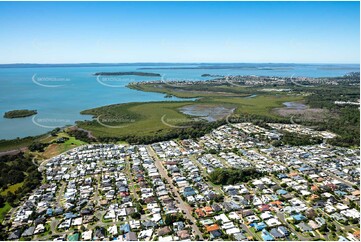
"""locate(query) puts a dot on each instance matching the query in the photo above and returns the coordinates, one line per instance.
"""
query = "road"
(182, 205)
(245, 228)
(60, 195)
(96, 191)
(129, 173)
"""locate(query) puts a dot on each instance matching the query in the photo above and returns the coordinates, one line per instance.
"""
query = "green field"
(11, 188)
(142, 119)
(57, 148)
(4, 210)
(260, 105)
(134, 119)
(194, 90)
(70, 143)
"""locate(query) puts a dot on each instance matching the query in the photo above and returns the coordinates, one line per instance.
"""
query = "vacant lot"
(58, 148)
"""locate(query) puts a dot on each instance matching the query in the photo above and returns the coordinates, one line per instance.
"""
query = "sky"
(125, 32)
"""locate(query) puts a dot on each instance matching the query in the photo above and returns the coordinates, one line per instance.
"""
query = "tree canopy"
(230, 176)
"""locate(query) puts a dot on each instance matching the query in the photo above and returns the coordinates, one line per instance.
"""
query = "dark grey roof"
(28, 232)
(275, 233)
(149, 223)
(15, 235)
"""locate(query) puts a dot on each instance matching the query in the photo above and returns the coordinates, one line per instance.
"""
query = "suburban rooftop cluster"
(163, 191)
(253, 80)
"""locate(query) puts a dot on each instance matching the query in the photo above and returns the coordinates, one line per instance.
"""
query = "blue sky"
(79, 32)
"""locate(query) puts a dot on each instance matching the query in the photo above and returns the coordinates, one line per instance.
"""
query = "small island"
(131, 73)
(20, 113)
(211, 75)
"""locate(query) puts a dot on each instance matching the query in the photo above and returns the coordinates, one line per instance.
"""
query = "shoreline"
(198, 98)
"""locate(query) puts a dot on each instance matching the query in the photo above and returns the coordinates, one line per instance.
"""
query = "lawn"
(122, 143)
(71, 142)
(12, 188)
(257, 234)
(4, 210)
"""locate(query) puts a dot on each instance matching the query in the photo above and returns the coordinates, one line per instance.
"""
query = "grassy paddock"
(141, 119)
(4, 210)
(134, 119)
(12, 188)
(261, 105)
(58, 148)
(192, 91)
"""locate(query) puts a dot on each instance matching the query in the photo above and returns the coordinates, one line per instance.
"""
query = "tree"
(139, 208)
(234, 150)
(169, 219)
(55, 131)
(323, 228)
(331, 226)
(276, 143)
(37, 146)
(226, 176)
(135, 215)
(212, 151)
(10, 198)
(2, 201)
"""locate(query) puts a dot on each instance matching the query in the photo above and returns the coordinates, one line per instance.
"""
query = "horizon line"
(197, 62)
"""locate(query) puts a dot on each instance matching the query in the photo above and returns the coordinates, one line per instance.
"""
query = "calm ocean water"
(60, 93)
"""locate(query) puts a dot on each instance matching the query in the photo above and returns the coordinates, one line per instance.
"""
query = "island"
(128, 73)
(20, 113)
(210, 75)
